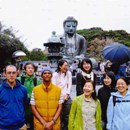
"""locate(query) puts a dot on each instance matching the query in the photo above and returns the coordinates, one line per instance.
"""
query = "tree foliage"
(9, 44)
(117, 35)
(97, 38)
(37, 55)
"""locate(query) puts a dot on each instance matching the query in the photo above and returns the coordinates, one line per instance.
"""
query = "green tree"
(97, 38)
(9, 43)
(37, 55)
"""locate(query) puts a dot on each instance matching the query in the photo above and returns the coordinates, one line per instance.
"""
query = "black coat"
(104, 94)
(80, 81)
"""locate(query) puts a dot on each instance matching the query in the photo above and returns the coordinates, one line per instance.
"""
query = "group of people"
(27, 102)
(112, 101)
(24, 106)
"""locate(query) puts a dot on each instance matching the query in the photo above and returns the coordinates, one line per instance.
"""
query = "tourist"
(63, 78)
(13, 101)
(118, 110)
(85, 113)
(46, 103)
(85, 74)
(29, 80)
(104, 94)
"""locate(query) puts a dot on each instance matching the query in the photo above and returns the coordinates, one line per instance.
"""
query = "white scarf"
(90, 76)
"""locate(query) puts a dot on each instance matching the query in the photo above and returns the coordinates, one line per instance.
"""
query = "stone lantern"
(54, 46)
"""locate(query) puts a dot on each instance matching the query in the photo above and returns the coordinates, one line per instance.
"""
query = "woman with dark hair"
(85, 113)
(104, 94)
(118, 110)
(85, 74)
(63, 78)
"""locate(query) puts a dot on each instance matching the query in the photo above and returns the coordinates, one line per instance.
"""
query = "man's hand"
(49, 125)
(44, 123)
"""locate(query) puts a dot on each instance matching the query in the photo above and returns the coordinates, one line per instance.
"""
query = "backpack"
(34, 80)
(119, 101)
(114, 100)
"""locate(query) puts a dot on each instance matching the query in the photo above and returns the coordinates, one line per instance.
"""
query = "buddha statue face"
(70, 27)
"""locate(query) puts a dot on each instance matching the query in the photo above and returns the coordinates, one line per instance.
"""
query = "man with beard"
(46, 103)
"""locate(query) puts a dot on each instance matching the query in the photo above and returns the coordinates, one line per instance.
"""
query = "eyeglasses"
(120, 84)
(13, 72)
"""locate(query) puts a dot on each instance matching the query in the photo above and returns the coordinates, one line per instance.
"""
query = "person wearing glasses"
(118, 110)
(13, 101)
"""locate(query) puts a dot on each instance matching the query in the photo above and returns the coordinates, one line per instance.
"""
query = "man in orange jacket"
(46, 103)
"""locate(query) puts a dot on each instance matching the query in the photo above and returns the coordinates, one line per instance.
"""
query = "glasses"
(13, 72)
(120, 84)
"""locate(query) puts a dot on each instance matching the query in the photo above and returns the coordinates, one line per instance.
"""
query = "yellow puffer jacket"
(47, 100)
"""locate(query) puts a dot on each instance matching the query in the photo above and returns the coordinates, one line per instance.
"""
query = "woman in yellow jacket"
(85, 113)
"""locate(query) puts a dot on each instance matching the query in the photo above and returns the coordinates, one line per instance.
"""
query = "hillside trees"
(97, 38)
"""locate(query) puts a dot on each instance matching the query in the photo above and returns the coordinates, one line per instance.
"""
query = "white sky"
(36, 19)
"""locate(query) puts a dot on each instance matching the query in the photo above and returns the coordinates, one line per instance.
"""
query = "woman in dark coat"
(104, 94)
(85, 74)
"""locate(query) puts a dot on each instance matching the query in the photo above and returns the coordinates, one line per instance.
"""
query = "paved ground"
(73, 90)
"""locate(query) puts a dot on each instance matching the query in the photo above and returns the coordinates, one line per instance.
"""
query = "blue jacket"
(118, 116)
(12, 106)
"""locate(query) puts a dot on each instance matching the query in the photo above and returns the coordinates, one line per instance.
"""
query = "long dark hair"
(60, 63)
(87, 61)
(94, 88)
(112, 76)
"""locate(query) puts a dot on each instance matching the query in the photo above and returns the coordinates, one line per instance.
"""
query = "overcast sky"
(34, 20)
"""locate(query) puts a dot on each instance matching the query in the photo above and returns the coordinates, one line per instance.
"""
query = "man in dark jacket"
(13, 100)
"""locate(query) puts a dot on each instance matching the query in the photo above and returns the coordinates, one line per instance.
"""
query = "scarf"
(89, 76)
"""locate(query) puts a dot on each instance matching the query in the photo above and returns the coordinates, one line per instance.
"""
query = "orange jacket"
(47, 101)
